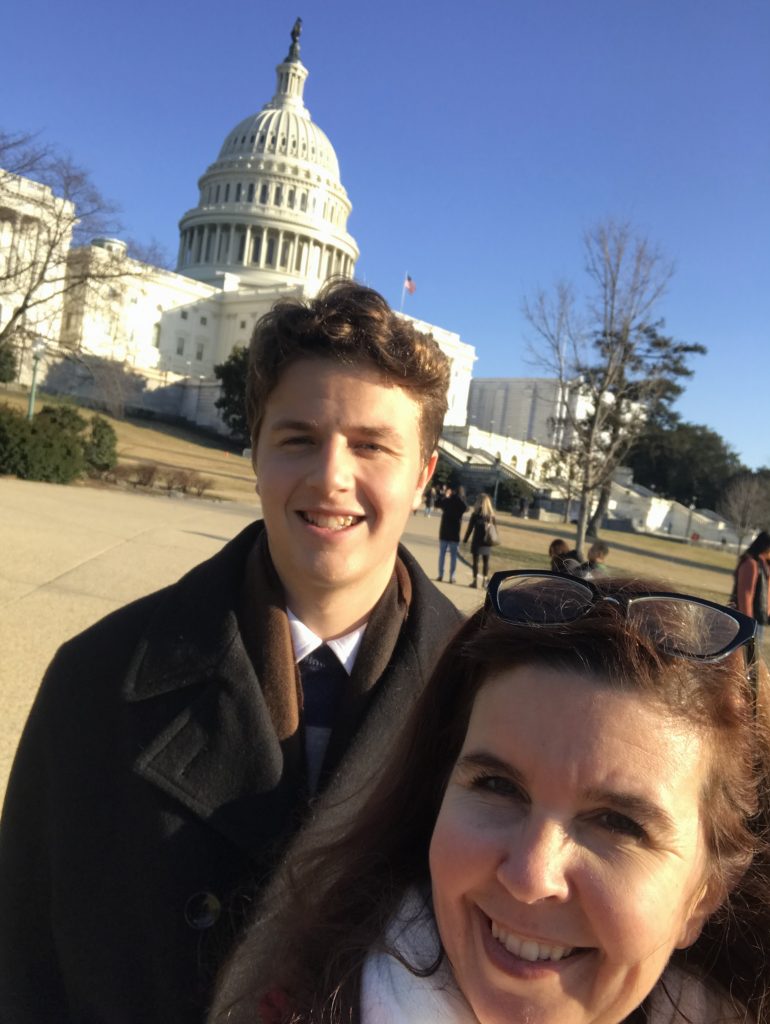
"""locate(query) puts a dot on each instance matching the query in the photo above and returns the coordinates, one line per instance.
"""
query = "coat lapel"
(215, 750)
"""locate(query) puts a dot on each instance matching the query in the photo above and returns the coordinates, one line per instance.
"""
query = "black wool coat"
(147, 803)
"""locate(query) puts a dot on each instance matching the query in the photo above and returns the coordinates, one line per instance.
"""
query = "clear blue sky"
(477, 142)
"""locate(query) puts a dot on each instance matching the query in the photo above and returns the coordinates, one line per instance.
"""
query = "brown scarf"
(264, 627)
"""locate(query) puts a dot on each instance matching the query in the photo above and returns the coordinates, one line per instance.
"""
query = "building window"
(243, 325)
(216, 197)
(204, 321)
(183, 314)
(256, 244)
(227, 192)
(238, 192)
(199, 351)
(250, 194)
(278, 195)
(291, 198)
(270, 253)
(303, 202)
(156, 336)
(180, 346)
(263, 193)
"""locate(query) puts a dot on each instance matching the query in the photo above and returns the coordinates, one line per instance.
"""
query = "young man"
(177, 746)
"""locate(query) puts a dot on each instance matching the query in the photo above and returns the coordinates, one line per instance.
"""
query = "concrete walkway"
(72, 554)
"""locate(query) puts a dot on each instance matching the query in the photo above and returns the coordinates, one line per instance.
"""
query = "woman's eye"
(617, 823)
(498, 785)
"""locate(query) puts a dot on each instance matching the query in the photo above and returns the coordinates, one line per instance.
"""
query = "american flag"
(409, 284)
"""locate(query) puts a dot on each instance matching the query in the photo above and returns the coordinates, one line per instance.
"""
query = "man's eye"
(297, 439)
(620, 824)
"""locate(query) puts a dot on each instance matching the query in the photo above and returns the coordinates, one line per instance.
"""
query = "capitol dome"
(272, 208)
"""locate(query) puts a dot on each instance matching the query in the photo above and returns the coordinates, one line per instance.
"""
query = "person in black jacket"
(178, 745)
(453, 507)
(482, 515)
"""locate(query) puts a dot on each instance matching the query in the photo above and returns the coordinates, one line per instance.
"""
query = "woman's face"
(568, 858)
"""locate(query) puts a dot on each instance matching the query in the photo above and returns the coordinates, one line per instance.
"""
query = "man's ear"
(422, 481)
(254, 467)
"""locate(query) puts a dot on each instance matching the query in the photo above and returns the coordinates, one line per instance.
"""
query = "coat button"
(202, 910)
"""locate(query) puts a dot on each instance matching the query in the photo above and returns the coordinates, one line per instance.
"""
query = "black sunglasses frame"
(747, 626)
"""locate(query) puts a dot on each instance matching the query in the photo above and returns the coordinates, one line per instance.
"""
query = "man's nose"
(333, 466)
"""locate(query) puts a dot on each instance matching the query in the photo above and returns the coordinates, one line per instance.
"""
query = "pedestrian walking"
(751, 594)
(482, 517)
(453, 507)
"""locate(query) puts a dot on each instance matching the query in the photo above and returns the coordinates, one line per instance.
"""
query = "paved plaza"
(72, 554)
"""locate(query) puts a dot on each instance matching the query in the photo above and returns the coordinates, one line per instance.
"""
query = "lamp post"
(38, 348)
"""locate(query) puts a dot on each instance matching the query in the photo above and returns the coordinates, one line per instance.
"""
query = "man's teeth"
(329, 522)
(528, 949)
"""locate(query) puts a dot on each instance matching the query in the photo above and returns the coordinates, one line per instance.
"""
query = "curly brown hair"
(355, 326)
(339, 894)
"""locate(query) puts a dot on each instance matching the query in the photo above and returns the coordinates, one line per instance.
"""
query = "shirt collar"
(305, 641)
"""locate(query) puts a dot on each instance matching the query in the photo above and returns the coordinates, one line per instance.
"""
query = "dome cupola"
(272, 207)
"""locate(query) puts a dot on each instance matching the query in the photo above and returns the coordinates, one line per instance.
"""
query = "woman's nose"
(537, 863)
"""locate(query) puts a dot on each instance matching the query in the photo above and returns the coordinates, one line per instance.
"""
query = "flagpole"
(403, 292)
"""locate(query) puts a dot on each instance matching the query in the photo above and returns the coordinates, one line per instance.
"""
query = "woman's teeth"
(528, 949)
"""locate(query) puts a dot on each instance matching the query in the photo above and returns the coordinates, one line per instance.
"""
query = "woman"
(750, 589)
(510, 868)
(482, 515)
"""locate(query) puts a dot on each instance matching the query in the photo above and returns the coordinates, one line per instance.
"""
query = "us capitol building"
(270, 223)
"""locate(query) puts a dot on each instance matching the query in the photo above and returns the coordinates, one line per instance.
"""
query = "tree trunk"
(601, 510)
(585, 501)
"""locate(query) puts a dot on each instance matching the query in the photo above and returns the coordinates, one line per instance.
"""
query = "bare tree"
(564, 466)
(746, 503)
(613, 364)
(49, 211)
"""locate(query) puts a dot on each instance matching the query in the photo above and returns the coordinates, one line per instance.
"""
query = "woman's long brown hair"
(334, 897)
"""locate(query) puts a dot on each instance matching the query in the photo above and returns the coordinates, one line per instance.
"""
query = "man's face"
(339, 469)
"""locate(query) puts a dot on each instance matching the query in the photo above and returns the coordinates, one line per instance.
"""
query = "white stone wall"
(462, 357)
(35, 228)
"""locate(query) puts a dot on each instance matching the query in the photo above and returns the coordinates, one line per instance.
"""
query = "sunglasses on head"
(677, 624)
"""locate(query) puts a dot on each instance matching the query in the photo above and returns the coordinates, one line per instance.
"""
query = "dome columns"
(253, 247)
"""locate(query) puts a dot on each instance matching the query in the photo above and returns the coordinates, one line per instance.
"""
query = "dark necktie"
(323, 684)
